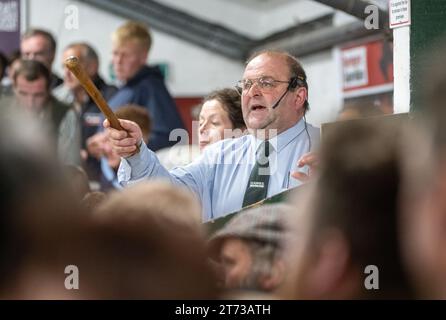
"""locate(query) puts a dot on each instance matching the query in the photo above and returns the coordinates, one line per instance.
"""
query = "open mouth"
(257, 107)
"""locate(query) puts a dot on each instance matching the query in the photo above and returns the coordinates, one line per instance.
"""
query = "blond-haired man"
(141, 84)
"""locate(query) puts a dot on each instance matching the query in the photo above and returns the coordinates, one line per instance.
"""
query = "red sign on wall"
(185, 106)
(367, 68)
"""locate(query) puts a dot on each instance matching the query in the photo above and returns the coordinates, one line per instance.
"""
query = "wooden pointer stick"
(72, 63)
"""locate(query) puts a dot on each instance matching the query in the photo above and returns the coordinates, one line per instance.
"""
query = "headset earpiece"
(293, 83)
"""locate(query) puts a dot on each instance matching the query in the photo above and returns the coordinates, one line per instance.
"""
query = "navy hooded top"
(147, 89)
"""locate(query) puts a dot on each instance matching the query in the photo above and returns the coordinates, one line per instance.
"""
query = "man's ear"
(272, 281)
(300, 96)
(327, 277)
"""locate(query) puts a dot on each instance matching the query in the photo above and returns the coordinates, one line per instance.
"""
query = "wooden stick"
(72, 63)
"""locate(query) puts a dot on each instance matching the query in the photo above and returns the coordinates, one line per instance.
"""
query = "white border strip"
(24, 18)
(369, 91)
(401, 69)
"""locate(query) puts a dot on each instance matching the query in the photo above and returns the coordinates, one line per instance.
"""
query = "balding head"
(269, 81)
(88, 59)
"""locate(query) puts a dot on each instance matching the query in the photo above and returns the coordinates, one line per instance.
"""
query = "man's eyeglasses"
(265, 84)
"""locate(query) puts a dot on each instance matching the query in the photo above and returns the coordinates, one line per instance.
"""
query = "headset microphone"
(278, 101)
(293, 84)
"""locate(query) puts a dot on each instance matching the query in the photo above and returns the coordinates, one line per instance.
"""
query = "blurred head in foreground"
(347, 244)
(424, 206)
(249, 249)
(142, 243)
(32, 189)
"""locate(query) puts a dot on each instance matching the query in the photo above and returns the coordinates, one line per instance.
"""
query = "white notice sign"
(354, 65)
(9, 13)
(399, 13)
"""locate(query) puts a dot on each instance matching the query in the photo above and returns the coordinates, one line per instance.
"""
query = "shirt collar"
(283, 139)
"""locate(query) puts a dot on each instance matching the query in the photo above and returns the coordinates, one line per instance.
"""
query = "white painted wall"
(325, 86)
(192, 70)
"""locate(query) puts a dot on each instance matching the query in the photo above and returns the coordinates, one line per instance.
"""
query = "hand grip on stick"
(72, 63)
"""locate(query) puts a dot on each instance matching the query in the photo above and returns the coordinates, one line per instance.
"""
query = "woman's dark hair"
(231, 102)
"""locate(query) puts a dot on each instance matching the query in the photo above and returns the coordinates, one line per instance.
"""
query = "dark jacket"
(91, 117)
(147, 89)
(55, 81)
